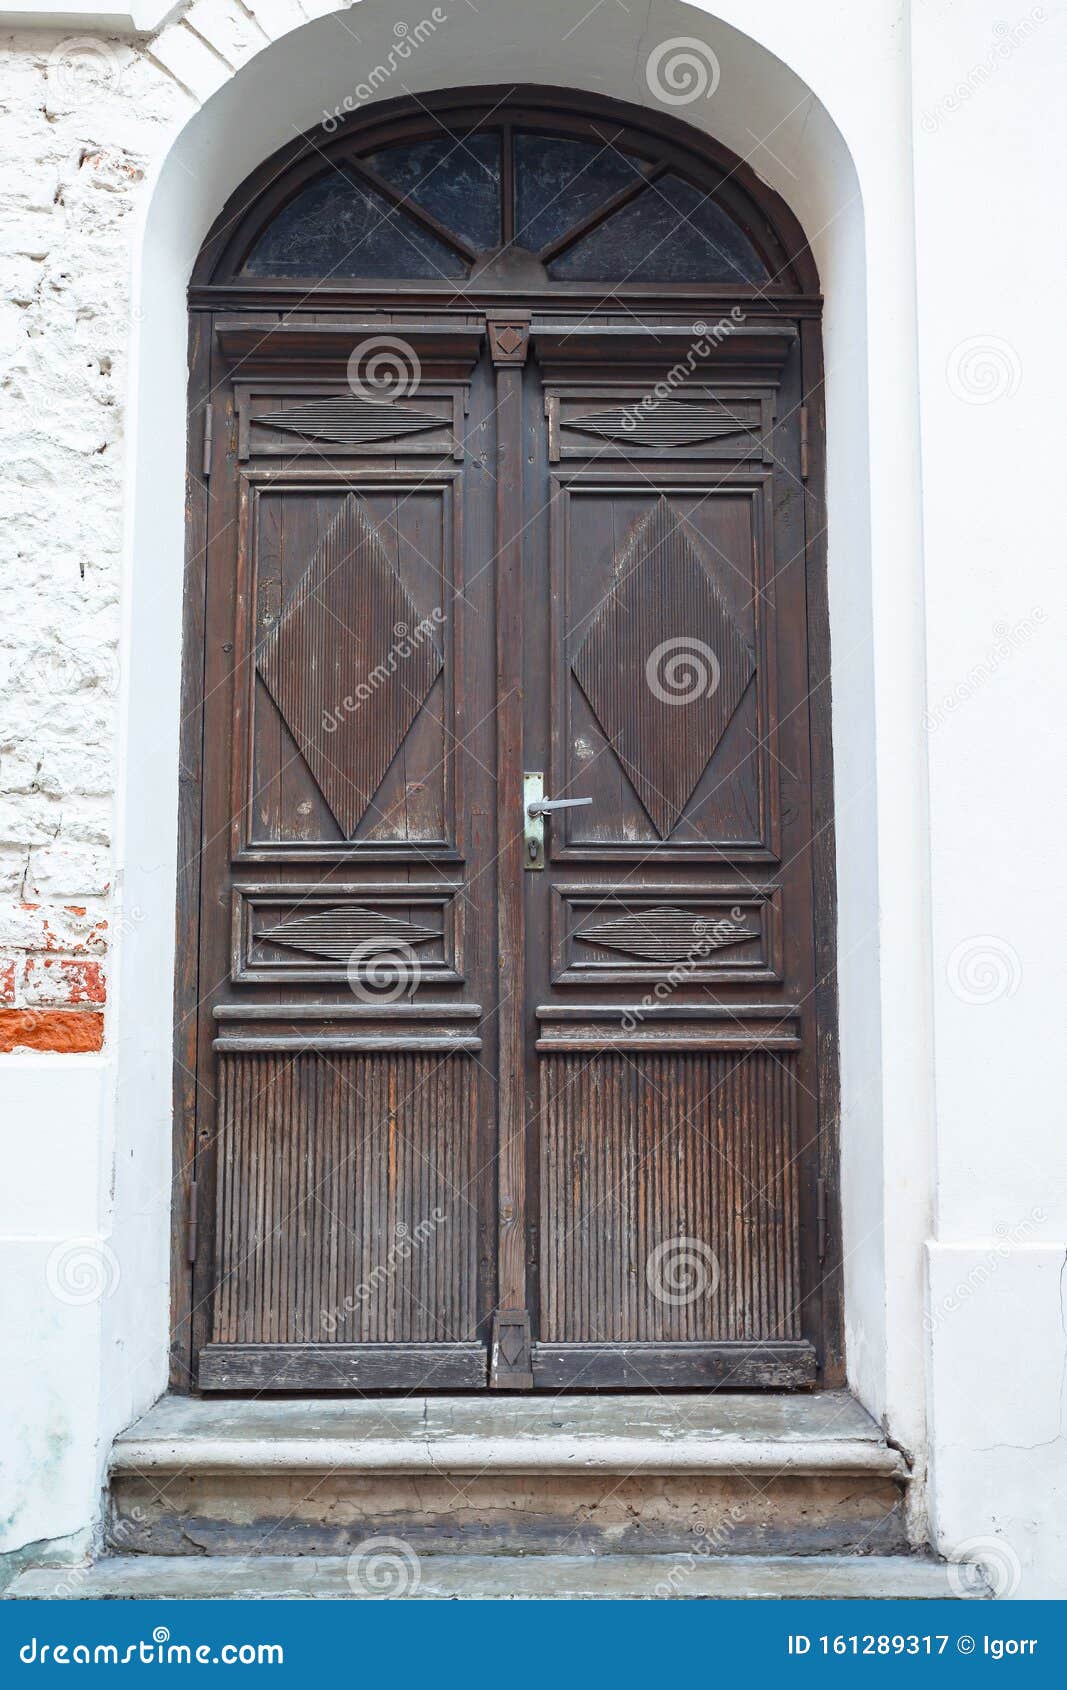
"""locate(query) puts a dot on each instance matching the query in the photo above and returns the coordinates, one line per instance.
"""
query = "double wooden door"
(489, 1094)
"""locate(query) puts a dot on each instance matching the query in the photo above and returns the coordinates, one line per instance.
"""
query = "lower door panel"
(347, 1240)
(670, 1220)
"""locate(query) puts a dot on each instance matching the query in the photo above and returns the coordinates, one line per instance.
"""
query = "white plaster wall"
(990, 139)
(176, 130)
(56, 1272)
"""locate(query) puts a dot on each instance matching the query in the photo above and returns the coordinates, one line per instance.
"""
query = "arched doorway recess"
(508, 491)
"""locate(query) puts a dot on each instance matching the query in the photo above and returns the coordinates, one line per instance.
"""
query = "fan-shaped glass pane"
(456, 178)
(558, 181)
(670, 233)
(334, 227)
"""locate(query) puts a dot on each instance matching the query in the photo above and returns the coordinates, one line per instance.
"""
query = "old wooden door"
(663, 928)
(501, 947)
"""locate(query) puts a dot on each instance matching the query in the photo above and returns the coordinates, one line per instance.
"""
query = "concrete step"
(390, 1572)
(724, 1475)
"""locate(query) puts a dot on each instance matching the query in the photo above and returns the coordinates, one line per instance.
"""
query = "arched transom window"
(468, 193)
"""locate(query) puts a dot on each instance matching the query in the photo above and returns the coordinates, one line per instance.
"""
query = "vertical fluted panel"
(346, 1204)
(669, 1198)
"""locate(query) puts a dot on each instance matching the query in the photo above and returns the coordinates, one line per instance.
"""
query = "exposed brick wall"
(52, 976)
(66, 194)
(84, 119)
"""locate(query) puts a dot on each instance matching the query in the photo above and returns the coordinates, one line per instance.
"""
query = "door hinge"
(803, 443)
(820, 1219)
(192, 1235)
(510, 1362)
(209, 428)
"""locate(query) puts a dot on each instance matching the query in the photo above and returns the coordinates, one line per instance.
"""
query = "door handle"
(535, 807)
(542, 806)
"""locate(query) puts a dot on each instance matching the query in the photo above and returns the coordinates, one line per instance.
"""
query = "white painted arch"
(832, 139)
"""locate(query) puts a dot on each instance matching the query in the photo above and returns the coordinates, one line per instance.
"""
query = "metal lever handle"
(535, 807)
(543, 806)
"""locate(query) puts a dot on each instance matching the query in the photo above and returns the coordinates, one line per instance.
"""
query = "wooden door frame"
(798, 302)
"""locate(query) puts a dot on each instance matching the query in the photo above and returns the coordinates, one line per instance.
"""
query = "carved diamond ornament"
(666, 934)
(350, 420)
(338, 933)
(349, 664)
(669, 422)
(663, 665)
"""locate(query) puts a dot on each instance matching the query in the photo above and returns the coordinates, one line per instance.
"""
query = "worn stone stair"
(582, 1578)
(642, 1496)
(726, 1475)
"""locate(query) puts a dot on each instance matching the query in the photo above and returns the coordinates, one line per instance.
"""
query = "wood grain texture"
(665, 934)
(348, 420)
(345, 1211)
(663, 665)
(669, 1198)
(551, 545)
(342, 1367)
(665, 423)
(689, 1366)
(509, 340)
(349, 664)
(339, 933)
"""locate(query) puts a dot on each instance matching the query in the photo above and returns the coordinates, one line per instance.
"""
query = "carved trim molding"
(509, 337)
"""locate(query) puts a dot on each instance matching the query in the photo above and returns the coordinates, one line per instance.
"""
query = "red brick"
(64, 1030)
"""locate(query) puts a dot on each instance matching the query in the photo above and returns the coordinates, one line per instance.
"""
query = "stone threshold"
(824, 1432)
(584, 1578)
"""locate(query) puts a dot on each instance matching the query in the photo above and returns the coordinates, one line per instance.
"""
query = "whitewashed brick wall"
(83, 120)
